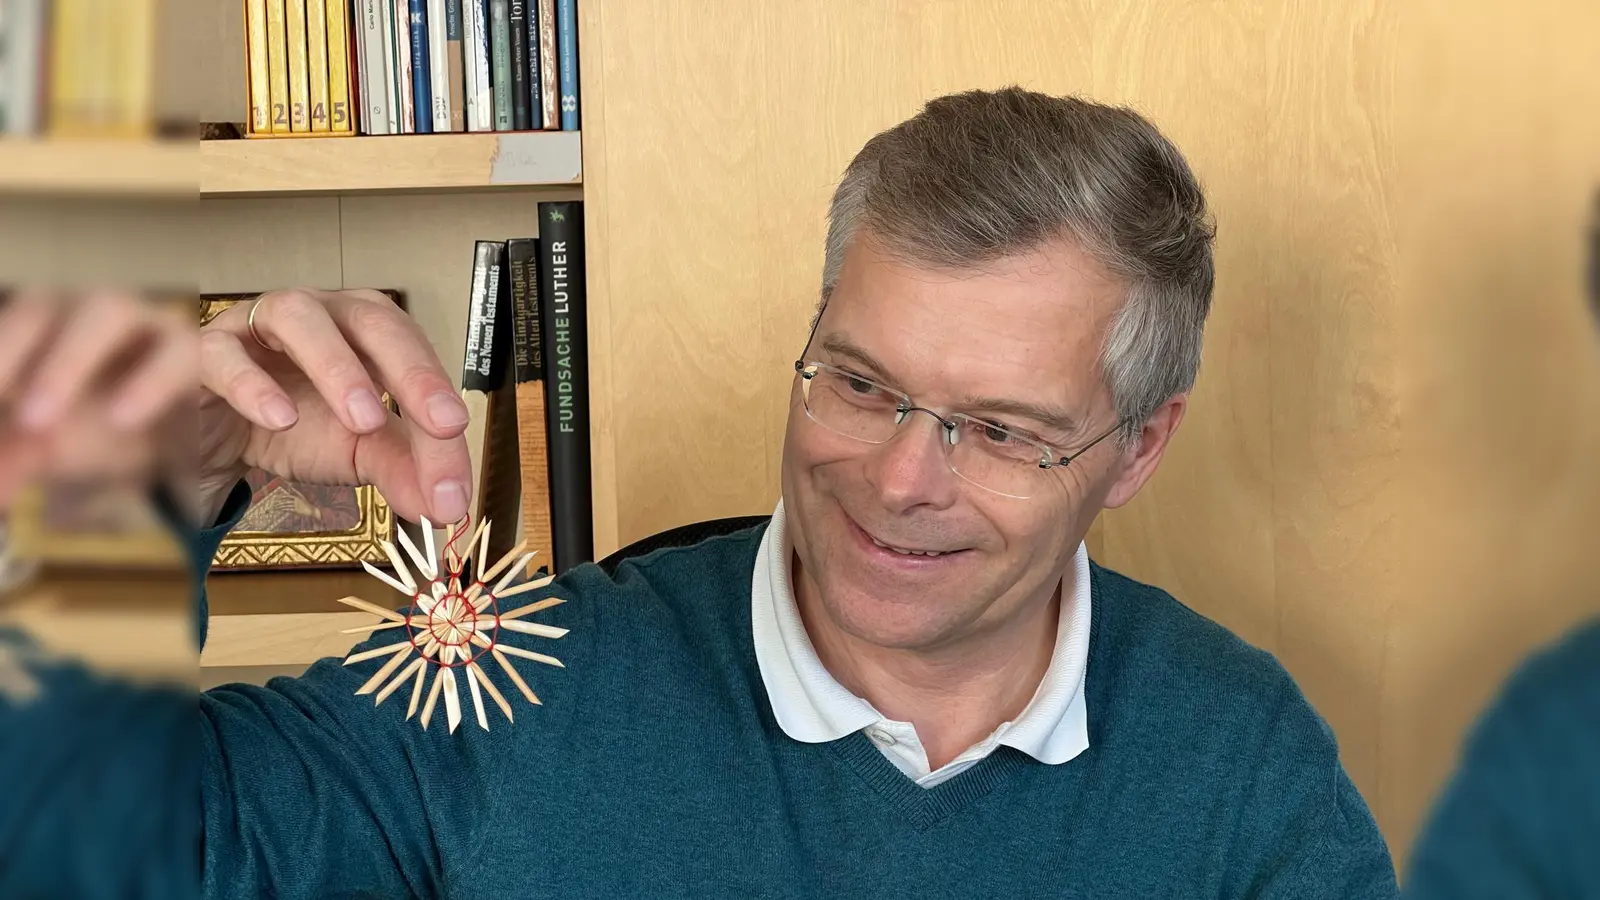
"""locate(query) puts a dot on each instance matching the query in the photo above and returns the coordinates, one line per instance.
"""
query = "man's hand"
(93, 389)
(106, 387)
(304, 402)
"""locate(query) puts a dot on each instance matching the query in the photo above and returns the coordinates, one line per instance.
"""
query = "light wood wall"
(1387, 477)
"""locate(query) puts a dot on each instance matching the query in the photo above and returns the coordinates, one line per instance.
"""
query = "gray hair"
(982, 175)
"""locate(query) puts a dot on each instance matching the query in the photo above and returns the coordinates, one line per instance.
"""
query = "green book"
(500, 61)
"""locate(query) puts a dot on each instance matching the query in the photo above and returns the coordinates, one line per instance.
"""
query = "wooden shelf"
(98, 167)
(416, 162)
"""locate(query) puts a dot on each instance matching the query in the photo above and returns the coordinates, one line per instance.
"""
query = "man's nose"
(912, 468)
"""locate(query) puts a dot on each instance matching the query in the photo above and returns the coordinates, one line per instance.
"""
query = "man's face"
(1027, 328)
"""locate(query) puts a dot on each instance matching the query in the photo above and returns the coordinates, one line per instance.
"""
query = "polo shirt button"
(880, 736)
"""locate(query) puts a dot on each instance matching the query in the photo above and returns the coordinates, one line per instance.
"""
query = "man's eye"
(995, 435)
(860, 386)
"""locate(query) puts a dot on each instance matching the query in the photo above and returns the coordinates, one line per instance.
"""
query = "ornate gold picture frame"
(299, 526)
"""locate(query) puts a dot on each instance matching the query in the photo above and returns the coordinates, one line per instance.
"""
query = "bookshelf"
(98, 167)
(401, 163)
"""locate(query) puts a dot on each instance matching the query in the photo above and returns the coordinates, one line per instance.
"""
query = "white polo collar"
(812, 707)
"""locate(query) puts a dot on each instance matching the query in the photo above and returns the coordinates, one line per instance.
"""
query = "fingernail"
(278, 413)
(365, 410)
(450, 501)
(446, 410)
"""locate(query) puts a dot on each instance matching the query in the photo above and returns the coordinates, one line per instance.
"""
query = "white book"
(358, 23)
(439, 70)
(24, 37)
(384, 11)
(480, 74)
(402, 52)
(470, 23)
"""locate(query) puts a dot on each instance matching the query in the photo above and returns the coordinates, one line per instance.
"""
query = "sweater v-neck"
(926, 807)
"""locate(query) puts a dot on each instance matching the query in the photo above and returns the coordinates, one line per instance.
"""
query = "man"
(912, 681)
(1521, 817)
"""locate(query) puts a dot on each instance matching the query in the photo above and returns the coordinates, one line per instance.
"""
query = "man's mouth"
(905, 550)
(900, 551)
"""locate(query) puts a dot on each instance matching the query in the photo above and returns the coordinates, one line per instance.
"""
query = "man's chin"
(890, 622)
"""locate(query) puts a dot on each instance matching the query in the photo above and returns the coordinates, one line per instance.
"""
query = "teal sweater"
(1521, 818)
(654, 768)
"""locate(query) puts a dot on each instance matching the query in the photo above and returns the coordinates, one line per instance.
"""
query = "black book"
(486, 368)
(563, 309)
(520, 118)
(479, 371)
(522, 259)
(535, 85)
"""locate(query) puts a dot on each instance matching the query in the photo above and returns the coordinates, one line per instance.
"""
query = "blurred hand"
(93, 388)
(306, 406)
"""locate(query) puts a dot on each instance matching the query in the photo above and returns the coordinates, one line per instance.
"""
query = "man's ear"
(1139, 461)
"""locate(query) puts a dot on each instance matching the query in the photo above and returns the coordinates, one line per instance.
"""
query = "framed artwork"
(291, 525)
(92, 526)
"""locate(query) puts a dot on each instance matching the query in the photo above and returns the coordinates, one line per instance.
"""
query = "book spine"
(563, 309)
(438, 67)
(477, 364)
(134, 77)
(358, 38)
(500, 57)
(481, 82)
(421, 67)
(535, 86)
(402, 55)
(522, 258)
(469, 63)
(454, 66)
(317, 62)
(339, 93)
(549, 74)
(567, 38)
(380, 97)
(260, 71)
(26, 43)
(518, 17)
(278, 61)
(299, 66)
(502, 476)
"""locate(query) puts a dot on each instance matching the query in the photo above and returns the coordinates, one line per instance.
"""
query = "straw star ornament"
(451, 626)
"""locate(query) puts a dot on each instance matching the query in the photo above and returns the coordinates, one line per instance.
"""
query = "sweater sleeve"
(1304, 831)
(305, 790)
(1520, 817)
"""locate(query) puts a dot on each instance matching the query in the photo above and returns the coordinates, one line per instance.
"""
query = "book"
(278, 62)
(340, 100)
(358, 35)
(549, 76)
(500, 61)
(438, 68)
(567, 38)
(421, 67)
(380, 74)
(518, 17)
(25, 21)
(535, 85)
(260, 72)
(454, 66)
(563, 310)
(490, 396)
(403, 77)
(522, 261)
(475, 40)
(317, 62)
(299, 65)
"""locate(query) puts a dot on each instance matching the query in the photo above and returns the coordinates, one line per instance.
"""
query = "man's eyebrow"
(1053, 420)
(840, 345)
